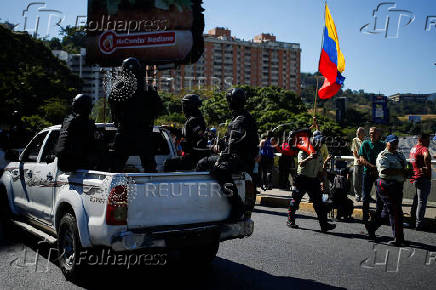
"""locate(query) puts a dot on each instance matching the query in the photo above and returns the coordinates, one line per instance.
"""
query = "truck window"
(32, 150)
(48, 155)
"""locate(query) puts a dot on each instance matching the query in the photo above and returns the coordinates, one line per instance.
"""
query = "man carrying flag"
(332, 61)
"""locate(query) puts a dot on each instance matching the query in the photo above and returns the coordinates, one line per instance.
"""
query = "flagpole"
(316, 97)
(317, 77)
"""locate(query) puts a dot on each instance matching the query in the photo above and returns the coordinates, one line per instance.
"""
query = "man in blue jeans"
(368, 153)
(421, 161)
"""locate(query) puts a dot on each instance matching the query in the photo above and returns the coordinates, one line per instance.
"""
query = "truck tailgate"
(178, 199)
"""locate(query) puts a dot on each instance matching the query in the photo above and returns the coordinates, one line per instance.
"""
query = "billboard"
(157, 32)
(380, 112)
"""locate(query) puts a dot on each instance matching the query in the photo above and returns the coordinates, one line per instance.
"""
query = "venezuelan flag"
(332, 61)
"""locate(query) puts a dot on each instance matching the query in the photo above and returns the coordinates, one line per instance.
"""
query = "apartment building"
(416, 98)
(227, 61)
(92, 76)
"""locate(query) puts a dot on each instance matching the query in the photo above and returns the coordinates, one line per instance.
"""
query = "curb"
(283, 202)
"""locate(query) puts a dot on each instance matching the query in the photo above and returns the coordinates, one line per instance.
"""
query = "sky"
(400, 59)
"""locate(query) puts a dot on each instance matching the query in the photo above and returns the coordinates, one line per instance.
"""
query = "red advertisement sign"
(110, 41)
(154, 31)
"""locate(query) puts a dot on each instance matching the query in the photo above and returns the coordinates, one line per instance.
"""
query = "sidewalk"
(281, 198)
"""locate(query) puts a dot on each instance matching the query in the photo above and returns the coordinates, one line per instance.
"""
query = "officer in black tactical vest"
(238, 150)
(134, 107)
(194, 141)
(76, 141)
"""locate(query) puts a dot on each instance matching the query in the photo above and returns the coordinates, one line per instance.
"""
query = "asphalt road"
(275, 257)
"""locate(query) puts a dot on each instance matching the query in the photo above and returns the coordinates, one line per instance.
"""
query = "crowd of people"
(377, 163)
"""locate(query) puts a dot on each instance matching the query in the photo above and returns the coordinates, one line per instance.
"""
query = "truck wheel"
(69, 247)
(200, 255)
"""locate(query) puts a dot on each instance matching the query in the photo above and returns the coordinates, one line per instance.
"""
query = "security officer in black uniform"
(76, 142)
(134, 107)
(194, 140)
(238, 151)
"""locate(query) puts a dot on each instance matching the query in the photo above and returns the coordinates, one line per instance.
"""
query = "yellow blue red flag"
(332, 61)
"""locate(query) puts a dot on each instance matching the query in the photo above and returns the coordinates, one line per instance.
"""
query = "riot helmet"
(82, 104)
(191, 104)
(236, 99)
(132, 64)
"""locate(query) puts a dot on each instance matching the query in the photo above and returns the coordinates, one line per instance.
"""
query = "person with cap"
(238, 151)
(421, 161)
(192, 135)
(358, 168)
(392, 168)
(368, 152)
(76, 143)
(308, 180)
(134, 107)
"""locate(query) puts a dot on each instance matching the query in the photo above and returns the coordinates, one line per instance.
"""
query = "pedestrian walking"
(358, 167)
(392, 169)
(308, 180)
(421, 162)
(368, 153)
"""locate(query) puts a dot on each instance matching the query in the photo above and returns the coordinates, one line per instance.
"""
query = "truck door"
(22, 177)
(44, 180)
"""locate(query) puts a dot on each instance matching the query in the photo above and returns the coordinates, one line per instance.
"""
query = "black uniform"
(134, 112)
(76, 142)
(194, 144)
(239, 150)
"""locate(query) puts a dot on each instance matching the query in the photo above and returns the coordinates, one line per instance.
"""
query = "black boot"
(327, 227)
(291, 219)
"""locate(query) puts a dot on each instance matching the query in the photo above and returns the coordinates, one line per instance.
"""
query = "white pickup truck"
(122, 212)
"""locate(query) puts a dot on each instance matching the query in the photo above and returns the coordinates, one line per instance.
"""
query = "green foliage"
(33, 81)
(270, 107)
(35, 123)
(54, 110)
(98, 112)
(73, 38)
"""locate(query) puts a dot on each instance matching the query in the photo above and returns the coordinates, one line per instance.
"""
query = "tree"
(73, 38)
(33, 81)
